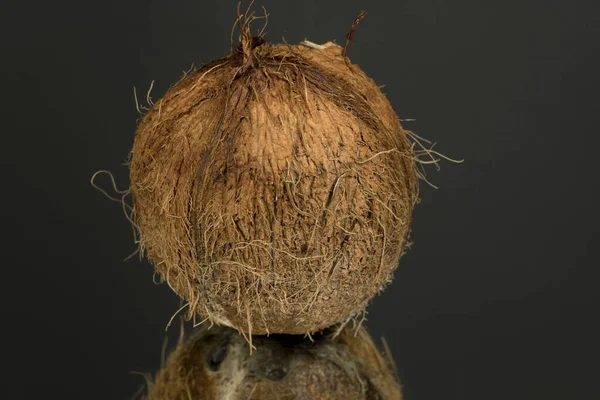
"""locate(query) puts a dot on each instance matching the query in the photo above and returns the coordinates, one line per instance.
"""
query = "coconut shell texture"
(273, 189)
(216, 364)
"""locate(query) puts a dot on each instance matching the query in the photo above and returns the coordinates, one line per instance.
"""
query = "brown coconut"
(216, 364)
(273, 188)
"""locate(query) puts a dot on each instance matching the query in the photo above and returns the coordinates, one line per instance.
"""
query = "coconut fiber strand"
(273, 188)
(216, 364)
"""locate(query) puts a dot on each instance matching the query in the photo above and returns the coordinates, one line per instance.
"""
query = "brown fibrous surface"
(273, 189)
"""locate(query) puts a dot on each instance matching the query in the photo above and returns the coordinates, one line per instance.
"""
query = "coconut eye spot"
(276, 374)
(217, 355)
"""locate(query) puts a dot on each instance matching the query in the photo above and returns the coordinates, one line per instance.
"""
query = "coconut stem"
(248, 42)
(350, 34)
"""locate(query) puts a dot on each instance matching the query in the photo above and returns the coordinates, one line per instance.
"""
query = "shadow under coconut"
(217, 363)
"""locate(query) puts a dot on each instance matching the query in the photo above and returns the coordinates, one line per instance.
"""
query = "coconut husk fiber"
(216, 364)
(273, 188)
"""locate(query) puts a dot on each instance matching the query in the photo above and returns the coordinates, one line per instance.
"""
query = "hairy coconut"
(216, 364)
(273, 189)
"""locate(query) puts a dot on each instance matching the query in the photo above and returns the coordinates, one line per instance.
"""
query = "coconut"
(273, 188)
(216, 364)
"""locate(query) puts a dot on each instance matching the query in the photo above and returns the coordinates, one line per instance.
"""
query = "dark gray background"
(495, 299)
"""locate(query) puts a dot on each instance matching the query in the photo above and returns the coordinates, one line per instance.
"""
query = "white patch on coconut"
(222, 320)
(236, 372)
